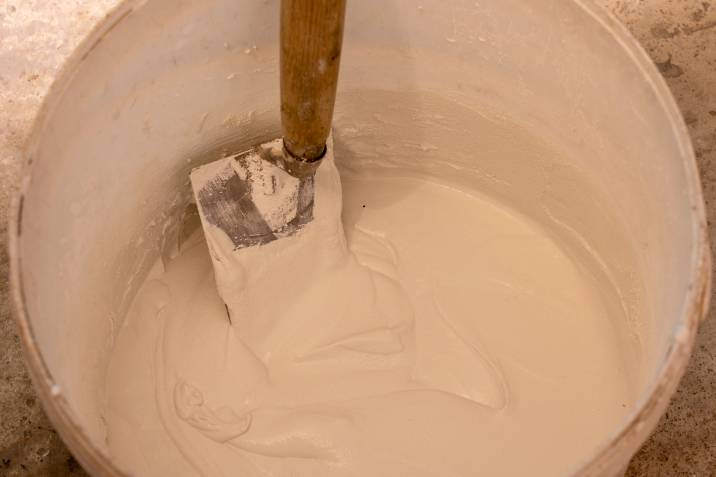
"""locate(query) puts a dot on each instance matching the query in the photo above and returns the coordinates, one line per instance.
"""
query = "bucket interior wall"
(435, 89)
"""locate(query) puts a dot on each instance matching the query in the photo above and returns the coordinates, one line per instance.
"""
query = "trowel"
(267, 193)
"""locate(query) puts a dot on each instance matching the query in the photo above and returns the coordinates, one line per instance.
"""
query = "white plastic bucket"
(161, 85)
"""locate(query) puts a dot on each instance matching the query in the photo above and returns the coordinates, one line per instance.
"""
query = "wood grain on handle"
(311, 38)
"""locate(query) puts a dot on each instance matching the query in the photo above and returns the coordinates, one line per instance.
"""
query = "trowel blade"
(254, 197)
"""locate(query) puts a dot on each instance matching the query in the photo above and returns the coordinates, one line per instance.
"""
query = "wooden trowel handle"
(311, 38)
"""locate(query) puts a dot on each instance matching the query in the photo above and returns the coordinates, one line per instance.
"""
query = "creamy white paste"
(440, 335)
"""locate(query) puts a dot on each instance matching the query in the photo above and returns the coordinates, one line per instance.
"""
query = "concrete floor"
(36, 36)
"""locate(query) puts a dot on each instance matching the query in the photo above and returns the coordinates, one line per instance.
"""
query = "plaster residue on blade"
(252, 200)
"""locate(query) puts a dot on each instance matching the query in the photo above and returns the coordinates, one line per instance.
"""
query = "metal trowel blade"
(255, 197)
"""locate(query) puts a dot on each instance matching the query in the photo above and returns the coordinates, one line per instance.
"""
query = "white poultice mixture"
(410, 330)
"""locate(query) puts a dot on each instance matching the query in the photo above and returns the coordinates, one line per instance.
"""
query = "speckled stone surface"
(37, 35)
